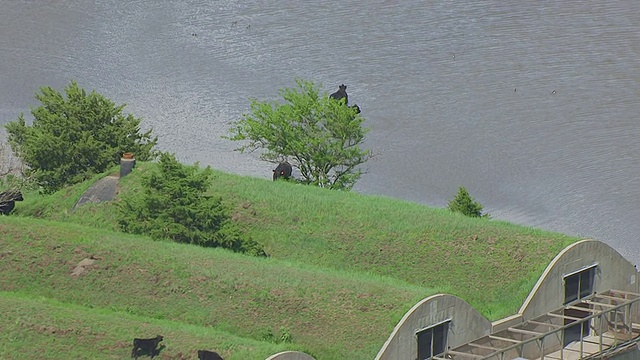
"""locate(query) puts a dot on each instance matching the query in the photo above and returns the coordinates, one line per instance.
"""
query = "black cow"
(8, 200)
(148, 346)
(208, 355)
(340, 94)
(283, 170)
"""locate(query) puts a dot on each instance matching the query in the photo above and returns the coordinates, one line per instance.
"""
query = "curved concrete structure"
(613, 271)
(466, 325)
(588, 265)
(291, 355)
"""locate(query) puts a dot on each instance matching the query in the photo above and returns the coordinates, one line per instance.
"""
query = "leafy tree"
(174, 206)
(465, 204)
(318, 135)
(76, 137)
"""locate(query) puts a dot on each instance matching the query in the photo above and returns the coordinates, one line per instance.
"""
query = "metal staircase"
(587, 327)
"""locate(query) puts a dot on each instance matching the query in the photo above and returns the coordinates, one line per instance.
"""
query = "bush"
(173, 205)
(76, 137)
(465, 204)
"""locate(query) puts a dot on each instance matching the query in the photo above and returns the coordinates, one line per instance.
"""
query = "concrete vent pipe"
(127, 162)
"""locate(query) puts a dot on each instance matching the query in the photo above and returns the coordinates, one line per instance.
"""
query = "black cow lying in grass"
(208, 355)
(8, 200)
(282, 171)
(148, 346)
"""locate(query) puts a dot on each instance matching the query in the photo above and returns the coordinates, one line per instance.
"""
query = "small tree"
(73, 138)
(318, 135)
(465, 204)
(174, 206)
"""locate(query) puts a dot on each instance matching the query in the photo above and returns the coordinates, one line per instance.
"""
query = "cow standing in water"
(342, 94)
(283, 170)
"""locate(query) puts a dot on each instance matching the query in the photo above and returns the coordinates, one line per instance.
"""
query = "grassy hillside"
(41, 328)
(323, 309)
(342, 271)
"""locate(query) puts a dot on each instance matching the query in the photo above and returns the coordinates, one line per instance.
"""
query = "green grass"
(40, 328)
(322, 309)
(343, 267)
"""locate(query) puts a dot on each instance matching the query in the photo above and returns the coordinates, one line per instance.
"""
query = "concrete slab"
(103, 190)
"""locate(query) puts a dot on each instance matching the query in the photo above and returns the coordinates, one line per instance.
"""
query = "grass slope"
(40, 328)
(323, 309)
(342, 271)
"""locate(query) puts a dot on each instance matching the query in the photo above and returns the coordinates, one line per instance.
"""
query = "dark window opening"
(577, 286)
(432, 341)
(577, 331)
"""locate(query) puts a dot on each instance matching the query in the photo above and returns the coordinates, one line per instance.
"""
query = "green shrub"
(76, 137)
(465, 204)
(174, 205)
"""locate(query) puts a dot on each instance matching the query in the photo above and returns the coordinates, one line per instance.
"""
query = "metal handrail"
(562, 328)
(540, 338)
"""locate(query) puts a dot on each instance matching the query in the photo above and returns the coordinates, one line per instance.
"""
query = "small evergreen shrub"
(173, 205)
(463, 203)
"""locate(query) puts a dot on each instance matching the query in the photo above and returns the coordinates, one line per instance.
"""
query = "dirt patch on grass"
(86, 264)
(82, 267)
(54, 330)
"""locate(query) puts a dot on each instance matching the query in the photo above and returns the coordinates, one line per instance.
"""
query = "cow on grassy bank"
(8, 200)
(147, 346)
(283, 170)
(208, 355)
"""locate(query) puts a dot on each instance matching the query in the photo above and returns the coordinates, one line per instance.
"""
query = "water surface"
(532, 106)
